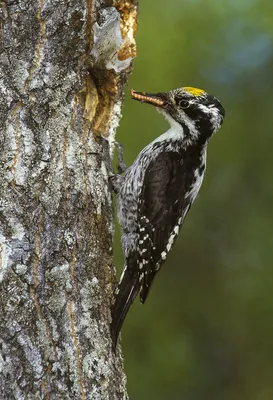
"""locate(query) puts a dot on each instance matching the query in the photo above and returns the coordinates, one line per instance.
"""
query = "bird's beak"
(154, 99)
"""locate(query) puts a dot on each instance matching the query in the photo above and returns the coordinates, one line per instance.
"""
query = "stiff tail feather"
(125, 294)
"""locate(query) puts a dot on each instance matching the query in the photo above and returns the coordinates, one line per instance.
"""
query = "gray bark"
(63, 67)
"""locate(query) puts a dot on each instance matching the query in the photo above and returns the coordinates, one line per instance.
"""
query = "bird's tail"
(125, 294)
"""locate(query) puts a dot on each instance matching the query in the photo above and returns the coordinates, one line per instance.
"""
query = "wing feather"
(161, 204)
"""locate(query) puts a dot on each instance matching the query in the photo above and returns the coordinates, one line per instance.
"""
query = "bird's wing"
(162, 206)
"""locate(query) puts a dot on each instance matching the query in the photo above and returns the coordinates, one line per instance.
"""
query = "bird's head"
(199, 113)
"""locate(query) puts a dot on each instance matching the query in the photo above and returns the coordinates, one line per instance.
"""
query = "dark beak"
(154, 99)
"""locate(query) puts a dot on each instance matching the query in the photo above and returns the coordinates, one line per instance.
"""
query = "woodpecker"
(155, 194)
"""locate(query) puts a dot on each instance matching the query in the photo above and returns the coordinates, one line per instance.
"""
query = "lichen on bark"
(63, 68)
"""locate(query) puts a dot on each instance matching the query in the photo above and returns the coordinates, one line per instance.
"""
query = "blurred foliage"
(206, 331)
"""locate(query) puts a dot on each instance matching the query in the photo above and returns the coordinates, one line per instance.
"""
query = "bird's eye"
(183, 103)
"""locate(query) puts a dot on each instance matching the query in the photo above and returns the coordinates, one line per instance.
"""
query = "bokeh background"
(206, 331)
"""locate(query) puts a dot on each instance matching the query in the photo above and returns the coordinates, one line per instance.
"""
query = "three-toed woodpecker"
(156, 192)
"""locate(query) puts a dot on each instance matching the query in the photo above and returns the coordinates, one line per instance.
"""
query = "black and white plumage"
(156, 192)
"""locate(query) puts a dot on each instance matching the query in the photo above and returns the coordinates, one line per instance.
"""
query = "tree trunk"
(64, 65)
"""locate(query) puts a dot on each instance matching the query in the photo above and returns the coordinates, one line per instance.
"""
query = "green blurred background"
(206, 331)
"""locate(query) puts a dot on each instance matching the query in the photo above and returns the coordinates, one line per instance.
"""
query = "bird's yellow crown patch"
(194, 91)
